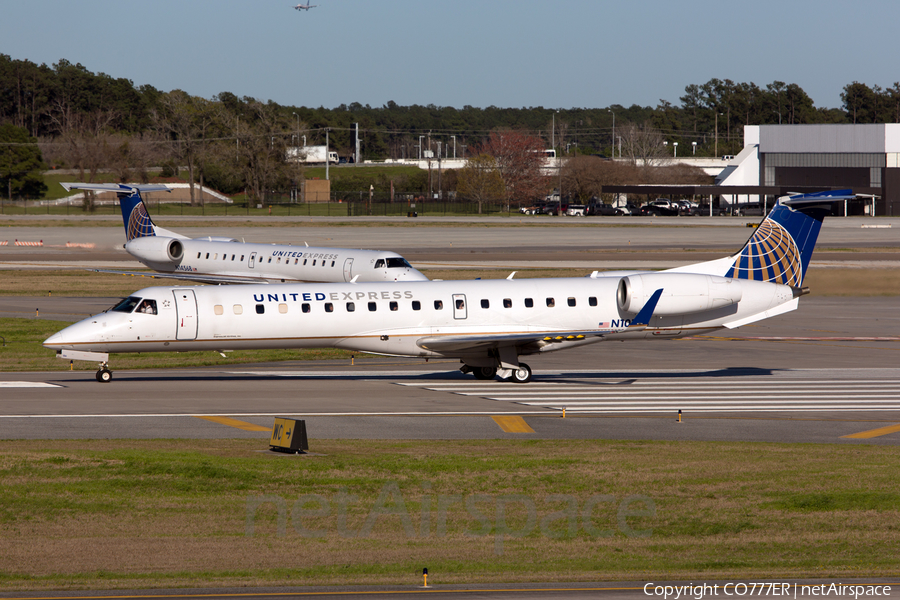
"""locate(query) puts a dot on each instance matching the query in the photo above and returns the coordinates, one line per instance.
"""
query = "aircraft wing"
(196, 277)
(487, 341)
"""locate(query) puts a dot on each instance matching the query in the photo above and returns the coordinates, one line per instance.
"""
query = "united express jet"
(487, 324)
(226, 260)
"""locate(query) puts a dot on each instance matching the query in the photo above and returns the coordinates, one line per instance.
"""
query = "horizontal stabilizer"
(119, 188)
(819, 197)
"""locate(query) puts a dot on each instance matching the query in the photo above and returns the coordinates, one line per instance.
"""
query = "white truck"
(311, 155)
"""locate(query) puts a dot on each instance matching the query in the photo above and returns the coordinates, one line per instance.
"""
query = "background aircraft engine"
(156, 249)
(683, 293)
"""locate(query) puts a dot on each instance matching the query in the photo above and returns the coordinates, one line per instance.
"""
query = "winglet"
(513, 274)
(355, 277)
(643, 317)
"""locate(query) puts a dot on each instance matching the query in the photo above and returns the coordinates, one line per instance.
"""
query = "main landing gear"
(521, 374)
(104, 375)
(484, 373)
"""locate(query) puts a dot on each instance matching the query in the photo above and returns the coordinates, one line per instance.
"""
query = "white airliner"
(305, 6)
(226, 260)
(486, 324)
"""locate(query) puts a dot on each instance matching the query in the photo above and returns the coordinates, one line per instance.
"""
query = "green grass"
(175, 513)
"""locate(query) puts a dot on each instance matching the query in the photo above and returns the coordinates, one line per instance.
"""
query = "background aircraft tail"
(134, 213)
(137, 220)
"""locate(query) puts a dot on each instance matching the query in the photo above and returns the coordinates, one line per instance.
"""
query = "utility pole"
(717, 133)
(613, 149)
(326, 157)
(553, 132)
(356, 157)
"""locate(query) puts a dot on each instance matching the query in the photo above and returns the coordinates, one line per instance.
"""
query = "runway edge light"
(289, 435)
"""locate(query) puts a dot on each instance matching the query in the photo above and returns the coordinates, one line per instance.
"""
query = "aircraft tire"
(522, 374)
(484, 373)
(104, 375)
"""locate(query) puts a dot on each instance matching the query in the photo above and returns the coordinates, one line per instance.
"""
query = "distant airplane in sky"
(305, 6)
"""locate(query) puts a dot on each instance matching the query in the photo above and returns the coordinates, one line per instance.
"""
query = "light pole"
(421, 137)
(298, 123)
(613, 149)
(454, 145)
(553, 132)
(675, 148)
(694, 148)
(717, 134)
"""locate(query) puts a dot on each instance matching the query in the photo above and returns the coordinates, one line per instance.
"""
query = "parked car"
(629, 209)
(603, 209)
(703, 210)
(535, 209)
(576, 210)
(554, 208)
(688, 208)
(661, 207)
(749, 209)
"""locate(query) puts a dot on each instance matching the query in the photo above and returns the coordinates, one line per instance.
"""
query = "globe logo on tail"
(139, 224)
(770, 255)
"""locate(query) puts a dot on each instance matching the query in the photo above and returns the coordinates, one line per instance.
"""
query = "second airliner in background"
(226, 260)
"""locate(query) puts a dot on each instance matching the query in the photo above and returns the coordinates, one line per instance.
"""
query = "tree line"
(87, 121)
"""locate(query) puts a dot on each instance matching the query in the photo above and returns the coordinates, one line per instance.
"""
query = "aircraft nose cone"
(54, 340)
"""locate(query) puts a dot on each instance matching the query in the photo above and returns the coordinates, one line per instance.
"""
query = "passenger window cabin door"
(348, 269)
(252, 261)
(459, 306)
(186, 307)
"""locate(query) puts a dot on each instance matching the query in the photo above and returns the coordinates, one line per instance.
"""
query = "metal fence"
(272, 206)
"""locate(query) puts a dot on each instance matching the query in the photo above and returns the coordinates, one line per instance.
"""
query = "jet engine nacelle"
(156, 249)
(683, 293)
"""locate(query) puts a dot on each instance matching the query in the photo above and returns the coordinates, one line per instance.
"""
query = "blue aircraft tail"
(135, 215)
(781, 248)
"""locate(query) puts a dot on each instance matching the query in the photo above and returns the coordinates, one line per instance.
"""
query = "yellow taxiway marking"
(873, 433)
(236, 423)
(513, 424)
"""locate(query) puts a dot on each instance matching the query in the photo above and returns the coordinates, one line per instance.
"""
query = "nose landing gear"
(104, 375)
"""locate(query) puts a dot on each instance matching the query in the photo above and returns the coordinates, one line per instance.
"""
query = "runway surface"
(819, 374)
(831, 366)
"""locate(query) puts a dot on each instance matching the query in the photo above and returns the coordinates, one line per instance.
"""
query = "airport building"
(865, 158)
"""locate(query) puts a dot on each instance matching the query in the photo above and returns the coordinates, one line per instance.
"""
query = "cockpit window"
(127, 305)
(147, 307)
(379, 264)
(399, 262)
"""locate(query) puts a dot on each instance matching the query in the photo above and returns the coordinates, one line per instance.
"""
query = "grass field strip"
(748, 395)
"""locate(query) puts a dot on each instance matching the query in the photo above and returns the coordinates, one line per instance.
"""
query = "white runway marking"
(664, 395)
(27, 384)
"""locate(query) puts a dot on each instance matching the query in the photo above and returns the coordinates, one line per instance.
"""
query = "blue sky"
(559, 54)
